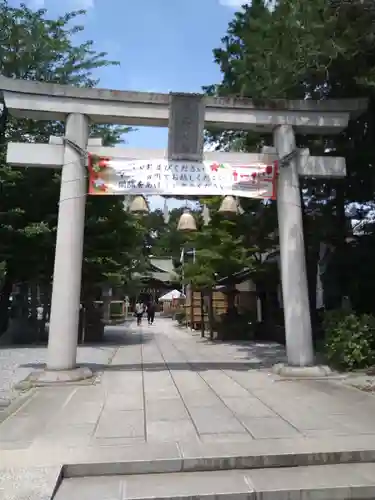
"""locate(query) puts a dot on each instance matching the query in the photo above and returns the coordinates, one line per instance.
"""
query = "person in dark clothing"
(151, 312)
(139, 310)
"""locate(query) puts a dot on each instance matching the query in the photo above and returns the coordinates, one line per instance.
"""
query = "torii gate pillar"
(66, 289)
(297, 315)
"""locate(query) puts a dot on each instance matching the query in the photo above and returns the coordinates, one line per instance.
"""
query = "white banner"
(111, 176)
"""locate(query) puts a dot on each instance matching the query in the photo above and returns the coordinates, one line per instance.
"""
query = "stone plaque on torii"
(186, 116)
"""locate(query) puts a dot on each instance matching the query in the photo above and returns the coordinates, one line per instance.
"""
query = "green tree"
(220, 248)
(35, 47)
(328, 53)
(164, 238)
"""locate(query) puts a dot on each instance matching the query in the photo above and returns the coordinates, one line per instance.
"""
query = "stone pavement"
(165, 393)
(17, 362)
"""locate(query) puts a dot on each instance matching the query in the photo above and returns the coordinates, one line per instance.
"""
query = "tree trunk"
(24, 296)
(231, 298)
(91, 326)
(260, 300)
(202, 314)
(210, 315)
(312, 271)
(34, 301)
(46, 301)
(5, 294)
(342, 284)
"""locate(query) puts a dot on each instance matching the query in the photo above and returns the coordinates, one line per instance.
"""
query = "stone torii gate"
(186, 116)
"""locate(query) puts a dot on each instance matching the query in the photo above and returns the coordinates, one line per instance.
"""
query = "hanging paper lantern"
(166, 212)
(139, 205)
(228, 206)
(126, 203)
(206, 215)
(187, 222)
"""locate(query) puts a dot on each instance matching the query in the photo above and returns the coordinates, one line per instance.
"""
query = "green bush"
(236, 327)
(180, 316)
(349, 340)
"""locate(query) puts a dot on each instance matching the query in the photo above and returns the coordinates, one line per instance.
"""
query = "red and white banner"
(111, 176)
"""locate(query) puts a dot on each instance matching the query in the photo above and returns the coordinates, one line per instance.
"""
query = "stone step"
(323, 482)
(194, 457)
(38, 470)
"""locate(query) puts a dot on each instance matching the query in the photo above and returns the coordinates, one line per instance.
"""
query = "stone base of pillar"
(316, 371)
(42, 378)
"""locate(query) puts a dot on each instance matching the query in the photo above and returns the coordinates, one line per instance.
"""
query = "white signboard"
(111, 176)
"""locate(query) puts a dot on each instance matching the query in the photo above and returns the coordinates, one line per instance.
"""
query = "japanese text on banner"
(111, 176)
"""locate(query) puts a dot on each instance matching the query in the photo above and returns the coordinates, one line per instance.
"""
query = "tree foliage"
(310, 50)
(163, 238)
(35, 47)
(222, 248)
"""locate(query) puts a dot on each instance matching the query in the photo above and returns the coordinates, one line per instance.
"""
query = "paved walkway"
(168, 385)
(163, 392)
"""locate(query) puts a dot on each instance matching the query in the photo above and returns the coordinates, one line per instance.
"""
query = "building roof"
(160, 269)
(235, 278)
(163, 264)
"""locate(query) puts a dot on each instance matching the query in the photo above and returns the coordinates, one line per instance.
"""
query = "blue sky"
(162, 46)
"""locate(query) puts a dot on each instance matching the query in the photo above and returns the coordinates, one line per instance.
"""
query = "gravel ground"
(16, 363)
(361, 381)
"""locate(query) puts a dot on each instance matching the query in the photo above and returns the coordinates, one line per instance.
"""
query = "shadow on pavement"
(274, 351)
(115, 339)
(159, 367)
(119, 335)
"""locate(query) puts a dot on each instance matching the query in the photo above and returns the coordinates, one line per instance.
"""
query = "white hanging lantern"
(206, 215)
(166, 212)
(139, 205)
(126, 203)
(187, 222)
(228, 206)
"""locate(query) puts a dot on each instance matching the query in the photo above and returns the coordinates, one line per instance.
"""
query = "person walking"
(151, 312)
(139, 310)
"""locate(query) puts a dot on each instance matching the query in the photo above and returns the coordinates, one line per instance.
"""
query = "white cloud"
(81, 4)
(73, 4)
(234, 4)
